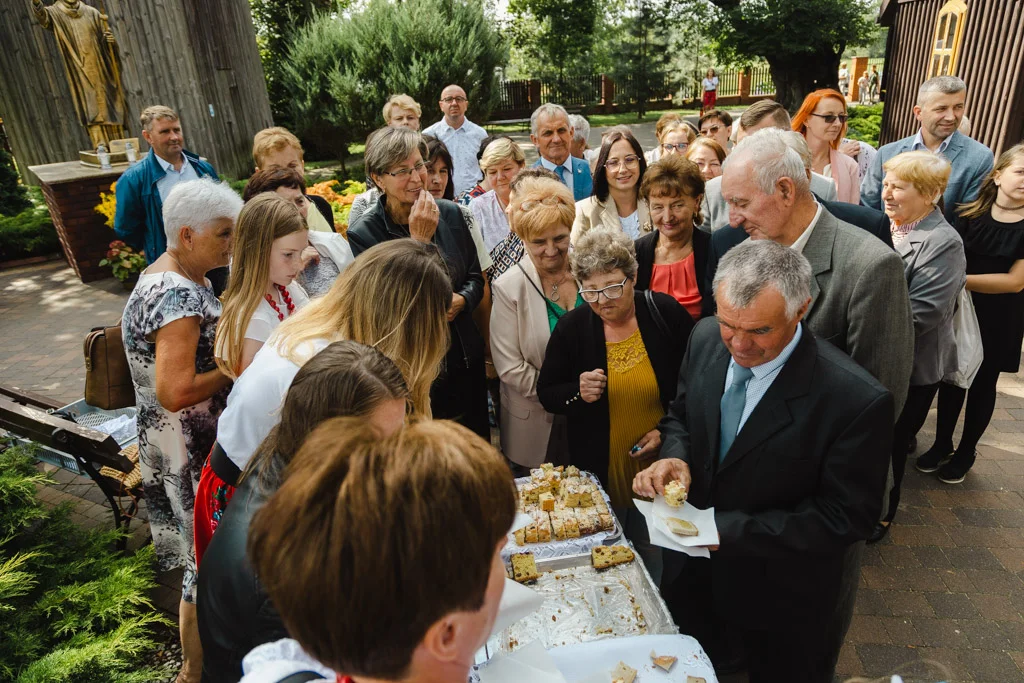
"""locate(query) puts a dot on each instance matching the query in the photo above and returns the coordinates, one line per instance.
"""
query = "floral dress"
(172, 446)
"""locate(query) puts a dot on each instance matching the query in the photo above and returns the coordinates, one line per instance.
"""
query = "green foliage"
(29, 233)
(71, 608)
(865, 123)
(13, 199)
(555, 38)
(645, 50)
(340, 72)
(124, 261)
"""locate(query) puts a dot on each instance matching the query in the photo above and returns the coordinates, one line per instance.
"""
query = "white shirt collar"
(168, 166)
(801, 241)
(919, 142)
(551, 166)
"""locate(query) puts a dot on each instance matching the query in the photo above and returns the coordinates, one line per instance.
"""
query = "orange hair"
(808, 107)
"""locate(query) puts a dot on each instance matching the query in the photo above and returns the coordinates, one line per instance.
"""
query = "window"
(949, 34)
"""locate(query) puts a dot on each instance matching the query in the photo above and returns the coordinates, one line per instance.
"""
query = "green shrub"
(72, 609)
(30, 233)
(865, 123)
(13, 199)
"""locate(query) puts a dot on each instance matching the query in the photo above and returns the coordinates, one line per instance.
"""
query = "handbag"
(108, 380)
(659, 321)
(967, 335)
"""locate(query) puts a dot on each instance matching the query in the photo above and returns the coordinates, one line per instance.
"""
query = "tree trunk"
(795, 77)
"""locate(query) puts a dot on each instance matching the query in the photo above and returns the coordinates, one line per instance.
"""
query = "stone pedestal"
(72, 192)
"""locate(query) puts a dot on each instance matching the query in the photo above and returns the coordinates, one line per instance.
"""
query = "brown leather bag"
(108, 380)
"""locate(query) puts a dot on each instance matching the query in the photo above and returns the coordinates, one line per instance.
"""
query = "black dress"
(993, 247)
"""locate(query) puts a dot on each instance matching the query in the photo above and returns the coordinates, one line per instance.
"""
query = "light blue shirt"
(172, 177)
(567, 173)
(463, 143)
(764, 375)
(919, 143)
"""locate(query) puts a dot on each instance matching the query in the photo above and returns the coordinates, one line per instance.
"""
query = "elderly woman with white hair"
(169, 325)
(936, 269)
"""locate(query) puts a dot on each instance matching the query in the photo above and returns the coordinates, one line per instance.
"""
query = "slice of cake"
(570, 495)
(557, 526)
(524, 567)
(606, 521)
(663, 662)
(520, 536)
(675, 493)
(547, 502)
(572, 471)
(623, 673)
(531, 533)
(587, 499)
(681, 527)
(572, 527)
(604, 556)
(543, 524)
(588, 521)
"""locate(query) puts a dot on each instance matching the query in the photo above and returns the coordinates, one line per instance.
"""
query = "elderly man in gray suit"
(759, 116)
(939, 109)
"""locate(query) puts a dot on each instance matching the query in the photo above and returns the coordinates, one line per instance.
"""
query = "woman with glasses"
(665, 120)
(821, 119)
(611, 368)
(616, 204)
(395, 162)
(529, 300)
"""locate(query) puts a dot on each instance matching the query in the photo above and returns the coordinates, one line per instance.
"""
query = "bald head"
(453, 105)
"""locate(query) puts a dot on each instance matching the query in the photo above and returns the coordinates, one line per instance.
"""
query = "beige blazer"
(519, 338)
(591, 213)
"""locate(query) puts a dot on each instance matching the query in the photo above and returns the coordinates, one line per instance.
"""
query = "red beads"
(285, 297)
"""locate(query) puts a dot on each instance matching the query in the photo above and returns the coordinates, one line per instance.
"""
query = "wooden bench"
(66, 444)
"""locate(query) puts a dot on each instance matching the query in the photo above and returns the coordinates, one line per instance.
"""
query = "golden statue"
(90, 59)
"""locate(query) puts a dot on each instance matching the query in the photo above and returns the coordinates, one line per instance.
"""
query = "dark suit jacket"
(577, 345)
(645, 260)
(803, 480)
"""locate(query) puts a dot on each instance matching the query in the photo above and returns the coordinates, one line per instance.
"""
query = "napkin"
(521, 521)
(704, 520)
(517, 601)
(666, 539)
(529, 663)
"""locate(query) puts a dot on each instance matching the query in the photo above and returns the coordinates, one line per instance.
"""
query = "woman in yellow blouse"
(611, 368)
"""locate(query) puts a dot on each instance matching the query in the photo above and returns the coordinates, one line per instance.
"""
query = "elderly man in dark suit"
(787, 438)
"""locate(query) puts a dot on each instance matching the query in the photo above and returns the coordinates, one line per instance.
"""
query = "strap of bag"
(547, 301)
(659, 321)
(223, 466)
(303, 677)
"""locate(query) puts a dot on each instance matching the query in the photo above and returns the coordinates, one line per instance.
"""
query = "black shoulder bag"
(659, 321)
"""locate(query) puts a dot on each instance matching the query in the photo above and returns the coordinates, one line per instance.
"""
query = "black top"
(456, 245)
(645, 247)
(577, 345)
(324, 207)
(993, 247)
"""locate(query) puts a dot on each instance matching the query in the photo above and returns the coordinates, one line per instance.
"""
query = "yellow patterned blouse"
(634, 408)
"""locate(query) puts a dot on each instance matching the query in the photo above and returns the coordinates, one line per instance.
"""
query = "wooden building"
(198, 57)
(981, 41)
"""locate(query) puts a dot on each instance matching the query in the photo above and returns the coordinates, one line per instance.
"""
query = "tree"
(802, 40)
(13, 199)
(339, 72)
(643, 68)
(554, 38)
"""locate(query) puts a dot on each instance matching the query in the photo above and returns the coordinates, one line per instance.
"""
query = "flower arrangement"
(341, 202)
(108, 205)
(125, 262)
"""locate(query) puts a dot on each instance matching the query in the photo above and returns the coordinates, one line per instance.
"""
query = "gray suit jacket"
(716, 211)
(933, 258)
(971, 162)
(859, 302)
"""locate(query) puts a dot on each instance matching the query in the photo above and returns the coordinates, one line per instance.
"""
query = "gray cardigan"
(935, 266)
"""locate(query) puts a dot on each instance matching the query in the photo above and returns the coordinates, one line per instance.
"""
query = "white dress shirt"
(463, 143)
(566, 174)
(919, 143)
(764, 375)
(172, 177)
(801, 241)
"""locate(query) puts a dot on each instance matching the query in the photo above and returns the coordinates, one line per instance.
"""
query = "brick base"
(83, 232)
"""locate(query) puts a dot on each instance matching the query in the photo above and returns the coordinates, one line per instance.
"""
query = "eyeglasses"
(831, 118)
(404, 173)
(630, 161)
(450, 100)
(610, 292)
(679, 147)
(710, 130)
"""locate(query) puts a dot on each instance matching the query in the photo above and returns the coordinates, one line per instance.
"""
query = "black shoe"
(955, 471)
(933, 458)
(878, 533)
(912, 446)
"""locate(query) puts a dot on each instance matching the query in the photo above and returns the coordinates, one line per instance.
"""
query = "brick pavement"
(946, 586)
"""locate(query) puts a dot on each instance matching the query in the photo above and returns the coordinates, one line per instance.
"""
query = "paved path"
(947, 585)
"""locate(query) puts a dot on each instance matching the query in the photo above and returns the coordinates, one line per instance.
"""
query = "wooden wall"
(991, 63)
(186, 54)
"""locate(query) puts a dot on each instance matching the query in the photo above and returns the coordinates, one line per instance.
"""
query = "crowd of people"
(758, 308)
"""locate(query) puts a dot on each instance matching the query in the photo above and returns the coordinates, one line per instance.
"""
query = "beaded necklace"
(285, 297)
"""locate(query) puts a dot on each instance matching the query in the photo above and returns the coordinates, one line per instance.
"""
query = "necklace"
(554, 287)
(1010, 208)
(182, 268)
(285, 298)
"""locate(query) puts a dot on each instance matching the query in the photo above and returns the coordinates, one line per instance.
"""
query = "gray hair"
(752, 266)
(602, 251)
(198, 204)
(389, 146)
(796, 142)
(547, 109)
(581, 126)
(945, 85)
(773, 160)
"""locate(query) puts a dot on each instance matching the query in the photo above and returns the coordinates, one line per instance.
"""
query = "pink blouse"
(679, 280)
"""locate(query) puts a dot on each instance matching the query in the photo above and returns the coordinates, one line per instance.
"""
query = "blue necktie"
(733, 401)
(560, 170)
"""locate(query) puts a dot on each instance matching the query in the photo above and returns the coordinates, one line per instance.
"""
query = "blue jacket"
(139, 219)
(582, 182)
(971, 162)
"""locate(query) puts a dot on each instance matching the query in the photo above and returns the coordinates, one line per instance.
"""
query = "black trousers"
(460, 394)
(981, 402)
(915, 412)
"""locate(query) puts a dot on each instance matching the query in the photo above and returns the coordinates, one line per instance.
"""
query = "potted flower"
(125, 262)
